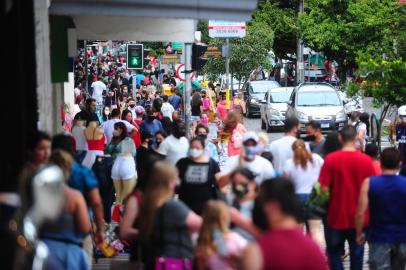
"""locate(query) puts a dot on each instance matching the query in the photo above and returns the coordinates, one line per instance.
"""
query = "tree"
(281, 17)
(247, 53)
(343, 28)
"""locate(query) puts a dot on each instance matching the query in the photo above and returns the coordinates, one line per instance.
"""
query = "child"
(217, 244)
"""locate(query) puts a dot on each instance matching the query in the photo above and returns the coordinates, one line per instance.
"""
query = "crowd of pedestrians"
(221, 197)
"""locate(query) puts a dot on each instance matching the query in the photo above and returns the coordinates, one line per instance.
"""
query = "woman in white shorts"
(123, 173)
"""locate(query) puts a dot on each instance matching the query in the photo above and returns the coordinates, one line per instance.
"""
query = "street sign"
(170, 59)
(135, 56)
(226, 29)
(177, 45)
(213, 51)
(180, 73)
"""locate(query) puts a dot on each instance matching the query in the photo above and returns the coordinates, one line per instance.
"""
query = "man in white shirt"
(108, 126)
(175, 146)
(131, 107)
(98, 88)
(167, 109)
(281, 149)
(249, 159)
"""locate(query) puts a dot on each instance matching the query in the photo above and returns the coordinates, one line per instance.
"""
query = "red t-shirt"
(291, 249)
(343, 172)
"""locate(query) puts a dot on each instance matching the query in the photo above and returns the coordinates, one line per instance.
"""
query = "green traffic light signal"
(135, 56)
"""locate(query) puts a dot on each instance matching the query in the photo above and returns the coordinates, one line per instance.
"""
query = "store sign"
(170, 59)
(226, 29)
(213, 51)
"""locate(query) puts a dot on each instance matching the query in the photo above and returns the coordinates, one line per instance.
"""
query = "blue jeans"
(387, 256)
(335, 240)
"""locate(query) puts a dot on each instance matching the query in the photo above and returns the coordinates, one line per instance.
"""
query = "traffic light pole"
(188, 86)
(299, 53)
(228, 74)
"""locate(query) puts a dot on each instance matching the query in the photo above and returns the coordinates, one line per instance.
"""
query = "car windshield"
(258, 88)
(280, 97)
(324, 98)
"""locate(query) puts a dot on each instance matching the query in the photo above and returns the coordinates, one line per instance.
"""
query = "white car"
(274, 107)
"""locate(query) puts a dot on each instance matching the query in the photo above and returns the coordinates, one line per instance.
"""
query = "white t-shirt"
(98, 88)
(260, 166)
(78, 132)
(361, 127)
(174, 149)
(108, 128)
(76, 91)
(281, 150)
(304, 179)
(167, 110)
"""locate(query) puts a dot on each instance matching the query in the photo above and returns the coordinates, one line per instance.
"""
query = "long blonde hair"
(63, 160)
(157, 191)
(301, 156)
(215, 216)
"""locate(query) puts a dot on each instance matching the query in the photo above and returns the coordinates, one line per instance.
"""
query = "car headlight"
(340, 116)
(302, 117)
(274, 112)
(254, 101)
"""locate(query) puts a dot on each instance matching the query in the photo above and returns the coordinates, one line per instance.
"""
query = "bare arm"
(80, 212)
(245, 223)
(193, 222)
(97, 206)
(252, 258)
(361, 209)
(127, 231)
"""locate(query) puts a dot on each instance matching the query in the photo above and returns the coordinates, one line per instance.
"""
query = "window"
(280, 97)
(320, 98)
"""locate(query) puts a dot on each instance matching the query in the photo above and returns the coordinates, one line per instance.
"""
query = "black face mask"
(310, 138)
(151, 118)
(240, 190)
(132, 105)
(138, 98)
(202, 136)
(157, 143)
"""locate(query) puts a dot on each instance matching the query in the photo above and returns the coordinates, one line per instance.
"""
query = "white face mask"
(117, 132)
(195, 153)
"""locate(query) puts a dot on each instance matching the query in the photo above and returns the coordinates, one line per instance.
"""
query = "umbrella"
(195, 85)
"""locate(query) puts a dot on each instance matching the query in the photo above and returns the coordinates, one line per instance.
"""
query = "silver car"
(320, 102)
(274, 107)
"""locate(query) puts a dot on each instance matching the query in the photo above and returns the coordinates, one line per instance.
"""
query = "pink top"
(235, 142)
(235, 245)
(222, 109)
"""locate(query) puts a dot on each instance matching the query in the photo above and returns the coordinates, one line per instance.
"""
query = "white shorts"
(124, 168)
(90, 158)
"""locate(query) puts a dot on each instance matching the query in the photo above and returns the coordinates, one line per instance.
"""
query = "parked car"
(254, 93)
(274, 107)
(320, 102)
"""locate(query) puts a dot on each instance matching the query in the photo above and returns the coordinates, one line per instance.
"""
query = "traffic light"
(198, 61)
(135, 56)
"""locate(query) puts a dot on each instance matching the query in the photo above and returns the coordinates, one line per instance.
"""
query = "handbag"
(167, 263)
(317, 203)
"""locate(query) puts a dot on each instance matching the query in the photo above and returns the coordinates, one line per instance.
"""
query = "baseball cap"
(250, 135)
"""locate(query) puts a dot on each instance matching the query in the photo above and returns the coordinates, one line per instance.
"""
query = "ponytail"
(301, 156)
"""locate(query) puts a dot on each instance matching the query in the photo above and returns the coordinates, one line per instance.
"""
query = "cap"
(139, 110)
(250, 135)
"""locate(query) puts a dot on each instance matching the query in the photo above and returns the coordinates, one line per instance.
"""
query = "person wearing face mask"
(210, 149)
(401, 133)
(315, 137)
(89, 113)
(198, 174)
(175, 146)
(131, 108)
(244, 192)
(106, 114)
(123, 173)
(250, 159)
(151, 124)
(127, 116)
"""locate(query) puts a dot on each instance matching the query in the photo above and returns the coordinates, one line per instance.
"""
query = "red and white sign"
(226, 29)
(180, 72)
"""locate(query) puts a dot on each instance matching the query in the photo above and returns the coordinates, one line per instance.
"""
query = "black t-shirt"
(197, 182)
(195, 104)
(86, 116)
(145, 159)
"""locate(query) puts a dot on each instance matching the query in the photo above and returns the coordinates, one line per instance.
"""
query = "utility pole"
(188, 86)
(228, 89)
(299, 53)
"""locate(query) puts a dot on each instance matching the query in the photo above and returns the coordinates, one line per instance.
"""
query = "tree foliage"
(247, 53)
(344, 28)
